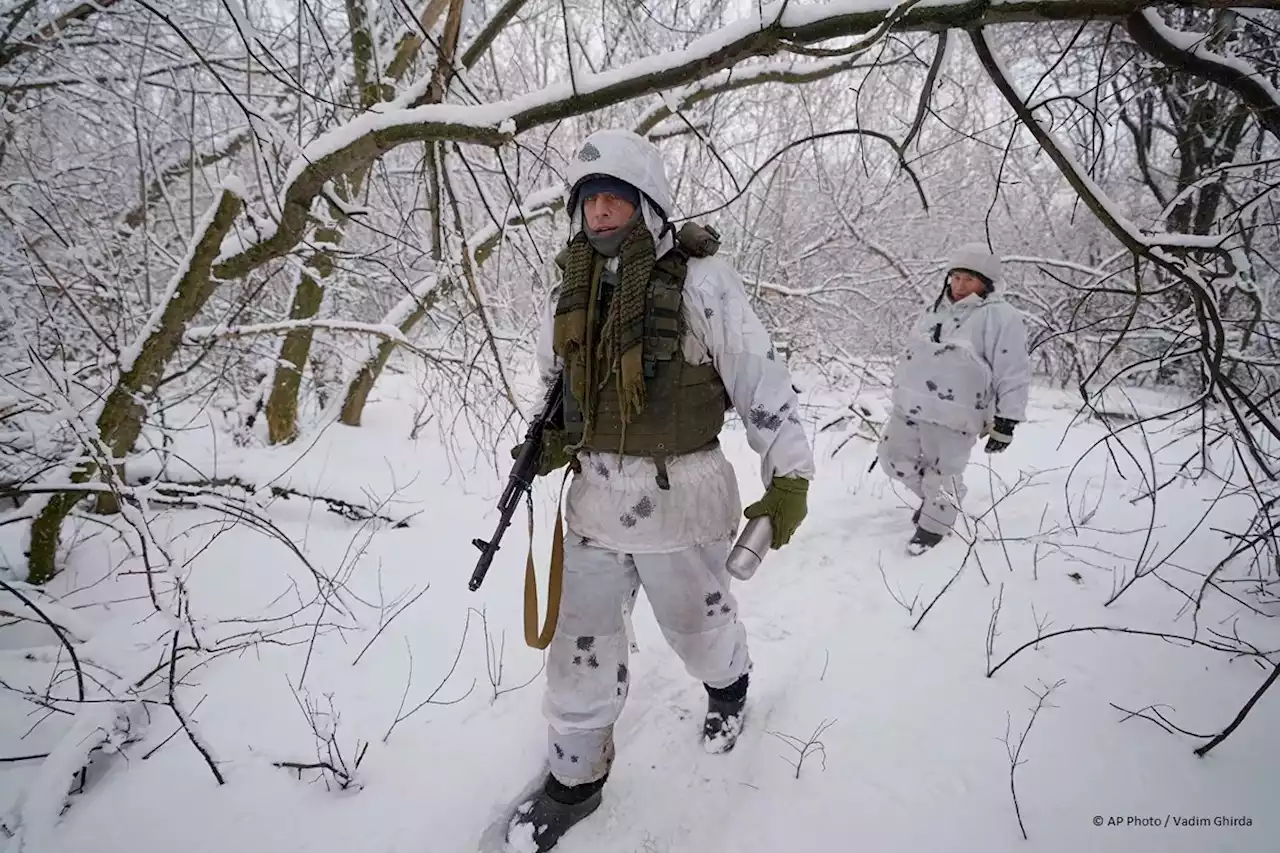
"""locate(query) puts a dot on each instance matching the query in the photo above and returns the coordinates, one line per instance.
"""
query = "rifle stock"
(520, 480)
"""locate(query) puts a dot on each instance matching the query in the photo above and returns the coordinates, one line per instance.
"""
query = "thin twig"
(177, 712)
(1015, 753)
(403, 608)
(1244, 712)
(941, 593)
(57, 630)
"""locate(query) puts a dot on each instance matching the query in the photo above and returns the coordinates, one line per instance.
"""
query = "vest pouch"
(684, 403)
(663, 323)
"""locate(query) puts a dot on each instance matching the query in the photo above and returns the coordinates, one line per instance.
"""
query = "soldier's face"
(606, 212)
(964, 284)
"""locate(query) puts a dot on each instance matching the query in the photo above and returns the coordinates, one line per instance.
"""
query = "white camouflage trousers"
(587, 677)
(929, 460)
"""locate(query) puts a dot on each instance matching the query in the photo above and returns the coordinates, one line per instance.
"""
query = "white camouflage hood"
(628, 157)
(976, 258)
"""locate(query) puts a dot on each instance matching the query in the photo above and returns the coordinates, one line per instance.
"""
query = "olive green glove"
(786, 504)
(554, 453)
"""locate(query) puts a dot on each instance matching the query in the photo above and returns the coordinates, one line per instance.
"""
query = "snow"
(35, 812)
(505, 117)
(383, 330)
(540, 202)
(409, 303)
(1194, 43)
(911, 758)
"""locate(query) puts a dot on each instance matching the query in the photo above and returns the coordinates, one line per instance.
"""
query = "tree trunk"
(412, 308)
(295, 349)
(120, 421)
(362, 383)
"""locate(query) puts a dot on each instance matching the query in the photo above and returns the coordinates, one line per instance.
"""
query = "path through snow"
(912, 757)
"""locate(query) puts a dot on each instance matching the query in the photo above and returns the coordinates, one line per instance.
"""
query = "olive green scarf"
(618, 346)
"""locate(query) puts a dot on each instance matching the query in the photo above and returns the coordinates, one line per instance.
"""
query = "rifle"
(520, 480)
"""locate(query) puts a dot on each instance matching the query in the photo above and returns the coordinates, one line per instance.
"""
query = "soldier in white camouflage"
(964, 372)
(656, 340)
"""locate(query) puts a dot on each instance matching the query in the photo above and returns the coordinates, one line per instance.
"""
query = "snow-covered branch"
(409, 119)
(119, 421)
(389, 331)
(1187, 52)
(49, 31)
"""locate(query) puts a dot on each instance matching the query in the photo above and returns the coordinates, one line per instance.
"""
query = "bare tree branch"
(1187, 52)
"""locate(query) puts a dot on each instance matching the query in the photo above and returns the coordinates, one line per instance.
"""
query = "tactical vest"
(684, 403)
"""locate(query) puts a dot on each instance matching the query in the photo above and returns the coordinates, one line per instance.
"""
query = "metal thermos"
(750, 548)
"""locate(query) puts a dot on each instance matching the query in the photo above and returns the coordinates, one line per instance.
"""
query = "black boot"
(541, 820)
(922, 541)
(723, 723)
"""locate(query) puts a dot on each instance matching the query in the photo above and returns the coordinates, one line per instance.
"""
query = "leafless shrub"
(334, 768)
(1015, 750)
(401, 713)
(806, 747)
(493, 659)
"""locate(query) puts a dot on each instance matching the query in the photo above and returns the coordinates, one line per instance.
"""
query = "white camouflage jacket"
(965, 363)
(615, 501)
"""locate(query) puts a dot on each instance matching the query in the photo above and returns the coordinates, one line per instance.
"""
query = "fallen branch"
(992, 631)
(182, 719)
(941, 593)
(384, 625)
(338, 506)
(1244, 712)
(1191, 641)
(401, 715)
(57, 630)
(1161, 722)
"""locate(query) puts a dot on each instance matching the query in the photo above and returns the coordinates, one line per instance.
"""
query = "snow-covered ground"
(909, 733)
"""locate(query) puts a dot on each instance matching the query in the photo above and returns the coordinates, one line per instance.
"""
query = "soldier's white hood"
(628, 157)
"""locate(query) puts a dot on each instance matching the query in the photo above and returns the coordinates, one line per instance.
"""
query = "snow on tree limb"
(1187, 52)
(51, 30)
(34, 816)
(382, 330)
(542, 202)
(120, 420)
(1211, 341)
(777, 27)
